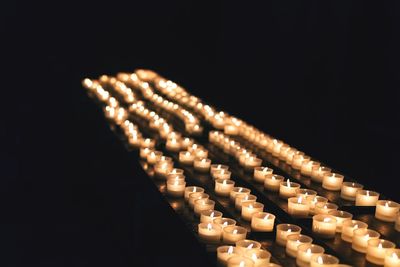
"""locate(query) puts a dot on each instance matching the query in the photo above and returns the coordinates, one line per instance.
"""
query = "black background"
(321, 75)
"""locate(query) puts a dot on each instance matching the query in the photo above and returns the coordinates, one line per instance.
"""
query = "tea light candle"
(348, 228)
(324, 208)
(176, 188)
(288, 189)
(332, 181)
(210, 215)
(377, 249)
(192, 189)
(305, 252)
(314, 201)
(162, 168)
(260, 257)
(283, 230)
(324, 225)
(186, 157)
(294, 241)
(252, 162)
(238, 191)
(340, 217)
(318, 173)
(291, 154)
(148, 142)
(173, 145)
(387, 210)
(210, 232)
(217, 167)
(276, 146)
(307, 166)
(221, 174)
(195, 196)
(260, 173)
(232, 233)
(306, 193)
(298, 160)
(262, 222)
(224, 222)
(134, 140)
(361, 238)
(298, 206)
(226, 252)
(153, 157)
(349, 190)
(201, 153)
(224, 187)
(272, 182)
(175, 177)
(283, 151)
(324, 260)
(240, 261)
(397, 224)
(202, 165)
(246, 244)
(392, 258)
(366, 198)
(249, 208)
(144, 151)
(240, 199)
(202, 205)
(231, 129)
(186, 142)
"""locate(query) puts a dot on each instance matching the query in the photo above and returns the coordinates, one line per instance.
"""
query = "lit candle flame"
(212, 214)
(235, 231)
(394, 256)
(327, 220)
(224, 182)
(266, 217)
(289, 230)
(254, 256)
(387, 204)
(225, 223)
(288, 183)
(299, 200)
(309, 251)
(209, 226)
(320, 260)
(367, 193)
(242, 264)
(250, 206)
(380, 246)
(230, 250)
(240, 189)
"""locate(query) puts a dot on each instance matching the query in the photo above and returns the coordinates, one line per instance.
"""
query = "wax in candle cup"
(201, 205)
(224, 222)
(202, 165)
(153, 157)
(192, 189)
(249, 208)
(147, 142)
(298, 160)
(324, 260)
(305, 252)
(225, 252)
(240, 199)
(318, 173)
(262, 222)
(332, 181)
(210, 215)
(397, 224)
(324, 225)
(361, 238)
(224, 187)
(210, 232)
(298, 206)
(306, 193)
(392, 258)
(176, 188)
(221, 174)
(314, 201)
(144, 151)
(366, 198)
(377, 249)
(179, 177)
(240, 261)
(272, 182)
(195, 196)
(348, 228)
(349, 190)
(260, 257)
(307, 166)
(260, 173)
(340, 217)
(246, 244)
(186, 157)
(324, 208)
(232, 234)
(238, 191)
(288, 189)
(294, 241)
(283, 230)
(387, 210)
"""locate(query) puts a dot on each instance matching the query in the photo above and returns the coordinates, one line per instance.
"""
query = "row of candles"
(201, 163)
